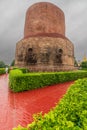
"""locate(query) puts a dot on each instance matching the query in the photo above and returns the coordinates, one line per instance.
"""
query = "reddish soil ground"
(18, 108)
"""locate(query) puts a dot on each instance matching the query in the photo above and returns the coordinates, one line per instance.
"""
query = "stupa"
(45, 46)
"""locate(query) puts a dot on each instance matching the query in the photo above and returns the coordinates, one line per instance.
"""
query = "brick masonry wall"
(44, 52)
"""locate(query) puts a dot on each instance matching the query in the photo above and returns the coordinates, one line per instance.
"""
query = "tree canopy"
(2, 64)
(84, 64)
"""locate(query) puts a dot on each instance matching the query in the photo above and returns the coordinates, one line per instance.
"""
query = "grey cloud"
(12, 21)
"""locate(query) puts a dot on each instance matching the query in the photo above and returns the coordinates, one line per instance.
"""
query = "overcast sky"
(12, 19)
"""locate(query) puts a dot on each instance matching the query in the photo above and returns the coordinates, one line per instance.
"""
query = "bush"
(2, 64)
(24, 70)
(70, 114)
(84, 64)
(20, 81)
(2, 71)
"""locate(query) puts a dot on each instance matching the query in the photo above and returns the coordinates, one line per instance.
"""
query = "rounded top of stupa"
(44, 18)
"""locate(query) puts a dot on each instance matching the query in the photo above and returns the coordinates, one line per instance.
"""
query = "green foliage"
(69, 114)
(24, 70)
(20, 128)
(19, 81)
(84, 64)
(2, 71)
(2, 64)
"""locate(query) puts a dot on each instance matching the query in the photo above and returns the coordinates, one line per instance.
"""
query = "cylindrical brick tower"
(44, 18)
(44, 46)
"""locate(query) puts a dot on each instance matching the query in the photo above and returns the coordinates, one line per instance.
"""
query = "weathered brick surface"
(44, 17)
(44, 49)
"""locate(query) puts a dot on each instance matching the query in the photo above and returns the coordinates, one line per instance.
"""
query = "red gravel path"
(18, 108)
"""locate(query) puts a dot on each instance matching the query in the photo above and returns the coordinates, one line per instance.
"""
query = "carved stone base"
(45, 53)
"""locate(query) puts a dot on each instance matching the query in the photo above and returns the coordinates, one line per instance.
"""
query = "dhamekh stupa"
(45, 46)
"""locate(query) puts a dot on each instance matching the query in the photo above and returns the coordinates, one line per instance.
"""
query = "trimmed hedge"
(70, 114)
(2, 71)
(24, 70)
(19, 81)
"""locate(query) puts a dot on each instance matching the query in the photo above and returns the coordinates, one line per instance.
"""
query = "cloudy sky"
(12, 19)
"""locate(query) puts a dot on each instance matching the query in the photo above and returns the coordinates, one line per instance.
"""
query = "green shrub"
(2, 64)
(69, 114)
(19, 81)
(84, 64)
(24, 70)
(2, 71)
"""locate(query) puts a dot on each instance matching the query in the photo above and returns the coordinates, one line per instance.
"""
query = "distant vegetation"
(84, 65)
(2, 64)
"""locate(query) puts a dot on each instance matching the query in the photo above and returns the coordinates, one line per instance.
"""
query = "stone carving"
(45, 55)
(58, 56)
(30, 57)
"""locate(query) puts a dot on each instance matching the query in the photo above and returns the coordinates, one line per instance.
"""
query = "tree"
(84, 64)
(2, 64)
